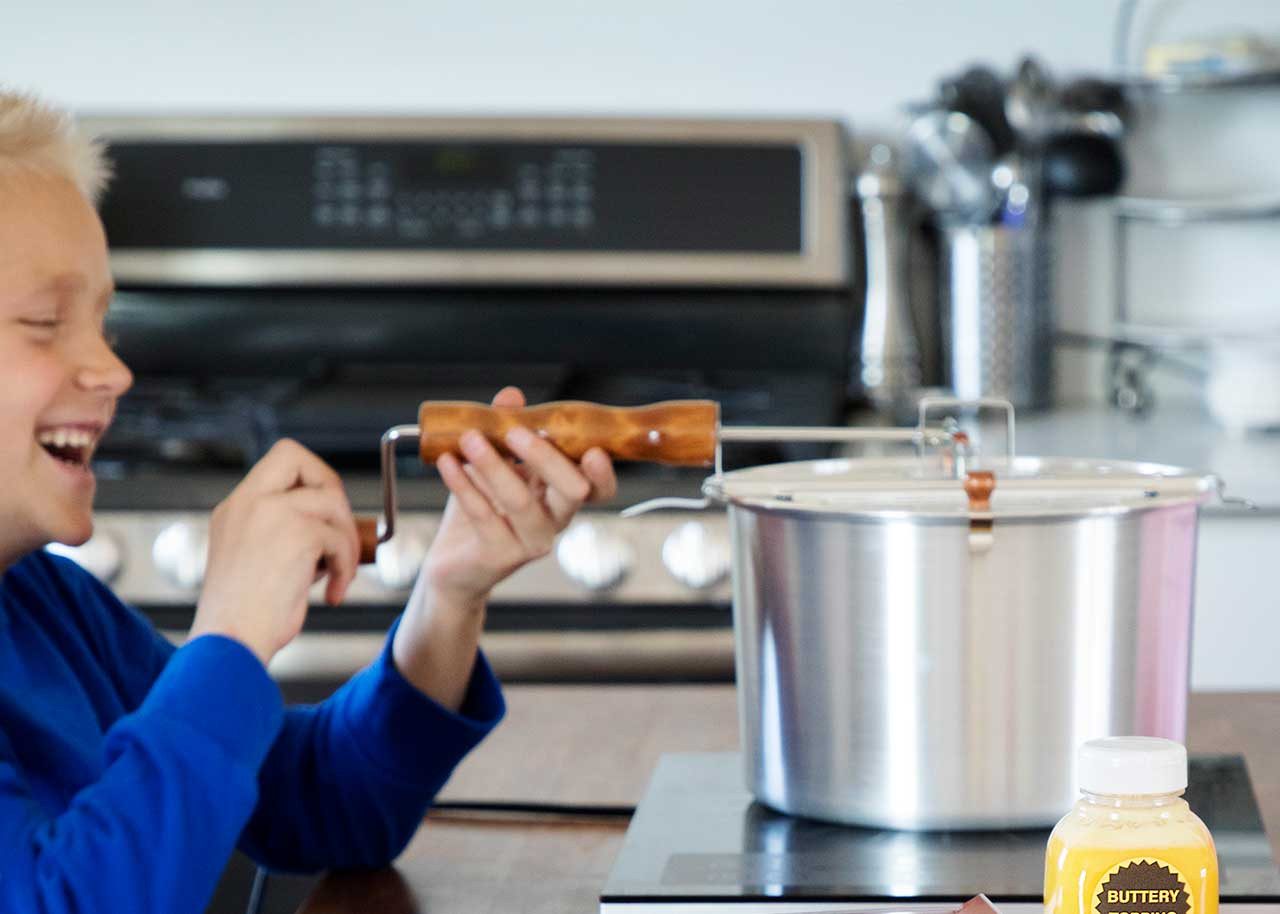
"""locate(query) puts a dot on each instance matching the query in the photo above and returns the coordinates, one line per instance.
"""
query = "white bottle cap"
(1133, 765)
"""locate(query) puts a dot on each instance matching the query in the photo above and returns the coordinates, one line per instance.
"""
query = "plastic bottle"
(1131, 844)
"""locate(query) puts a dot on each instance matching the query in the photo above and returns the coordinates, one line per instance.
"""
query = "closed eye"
(46, 324)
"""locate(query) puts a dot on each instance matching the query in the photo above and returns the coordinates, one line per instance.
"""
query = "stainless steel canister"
(997, 313)
(910, 658)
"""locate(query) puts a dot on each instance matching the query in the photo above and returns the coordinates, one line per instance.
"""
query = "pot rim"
(1093, 488)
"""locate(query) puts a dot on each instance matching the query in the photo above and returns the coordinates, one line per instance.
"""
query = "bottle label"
(1142, 885)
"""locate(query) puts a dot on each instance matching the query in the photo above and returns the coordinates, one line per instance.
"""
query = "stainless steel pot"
(921, 642)
(910, 657)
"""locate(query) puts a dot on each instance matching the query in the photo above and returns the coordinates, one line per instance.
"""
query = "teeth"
(65, 437)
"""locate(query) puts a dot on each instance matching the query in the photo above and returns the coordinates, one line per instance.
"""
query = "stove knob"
(695, 556)
(181, 552)
(102, 556)
(399, 558)
(593, 557)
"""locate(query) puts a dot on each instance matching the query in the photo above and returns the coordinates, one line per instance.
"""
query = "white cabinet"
(1236, 640)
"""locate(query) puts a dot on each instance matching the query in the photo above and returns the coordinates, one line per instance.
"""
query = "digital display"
(452, 165)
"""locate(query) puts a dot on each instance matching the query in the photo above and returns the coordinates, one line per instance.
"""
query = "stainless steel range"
(318, 278)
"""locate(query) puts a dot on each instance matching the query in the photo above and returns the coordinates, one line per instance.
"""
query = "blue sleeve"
(127, 645)
(154, 832)
(348, 781)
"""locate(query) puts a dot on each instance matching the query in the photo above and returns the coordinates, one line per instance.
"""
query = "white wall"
(856, 59)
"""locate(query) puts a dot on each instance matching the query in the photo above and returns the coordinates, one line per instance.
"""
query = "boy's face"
(59, 380)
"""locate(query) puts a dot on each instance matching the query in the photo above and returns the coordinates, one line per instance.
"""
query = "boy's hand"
(503, 515)
(500, 516)
(266, 540)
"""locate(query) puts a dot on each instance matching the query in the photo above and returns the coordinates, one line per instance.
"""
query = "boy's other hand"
(501, 514)
(267, 540)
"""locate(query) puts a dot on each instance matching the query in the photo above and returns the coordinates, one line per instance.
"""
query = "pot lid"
(911, 487)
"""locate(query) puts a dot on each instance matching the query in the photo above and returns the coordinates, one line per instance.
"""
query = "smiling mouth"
(71, 446)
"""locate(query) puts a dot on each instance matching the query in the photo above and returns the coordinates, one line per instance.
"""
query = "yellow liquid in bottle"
(1131, 855)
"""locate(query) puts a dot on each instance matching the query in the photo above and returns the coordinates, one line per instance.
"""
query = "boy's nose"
(103, 371)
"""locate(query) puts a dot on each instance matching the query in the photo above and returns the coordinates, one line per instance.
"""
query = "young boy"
(130, 770)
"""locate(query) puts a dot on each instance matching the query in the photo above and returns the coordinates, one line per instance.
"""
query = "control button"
(695, 556)
(181, 552)
(529, 217)
(555, 193)
(324, 214)
(593, 557)
(379, 216)
(500, 217)
(583, 193)
(399, 558)
(102, 556)
(556, 217)
(413, 228)
(583, 217)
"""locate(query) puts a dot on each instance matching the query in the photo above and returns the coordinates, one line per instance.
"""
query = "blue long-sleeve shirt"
(129, 770)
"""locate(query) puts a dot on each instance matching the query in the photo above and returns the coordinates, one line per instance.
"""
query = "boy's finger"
(473, 503)
(286, 466)
(509, 396)
(339, 563)
(553, 467)
(598, 468)
(511, 495)
(330, 507)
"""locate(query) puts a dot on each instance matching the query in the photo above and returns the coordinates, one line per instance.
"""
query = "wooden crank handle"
(367, 529)
(676, 432)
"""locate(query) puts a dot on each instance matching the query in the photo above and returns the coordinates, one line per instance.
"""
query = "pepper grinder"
(889, 353)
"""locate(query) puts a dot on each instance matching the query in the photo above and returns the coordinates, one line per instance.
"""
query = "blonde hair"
(37, 137)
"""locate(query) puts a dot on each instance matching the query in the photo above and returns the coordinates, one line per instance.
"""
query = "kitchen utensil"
(1019, 197)
(1031, 107)
(947, 161)
(678, 432)
(997, 313)
(888, 351)
(1082, 165)
(1031, 102)
(921, 641)
(909, 657)
(1091, 95)
(980, 94)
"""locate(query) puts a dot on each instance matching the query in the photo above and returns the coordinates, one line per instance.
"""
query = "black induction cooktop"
(699, 842)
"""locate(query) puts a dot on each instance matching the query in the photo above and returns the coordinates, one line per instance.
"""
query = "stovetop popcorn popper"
(922, 642)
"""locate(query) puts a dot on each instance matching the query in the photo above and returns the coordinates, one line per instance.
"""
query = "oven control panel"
(352, 201)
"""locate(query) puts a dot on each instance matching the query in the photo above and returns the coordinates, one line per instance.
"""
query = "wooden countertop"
(598, 745)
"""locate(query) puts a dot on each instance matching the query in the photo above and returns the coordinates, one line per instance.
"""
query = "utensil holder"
(997, 313)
